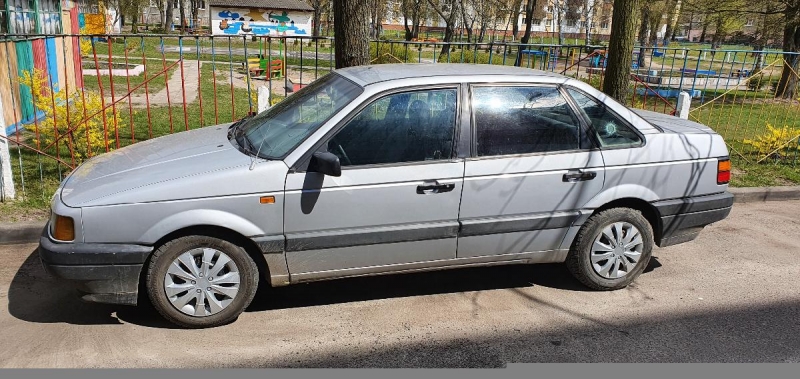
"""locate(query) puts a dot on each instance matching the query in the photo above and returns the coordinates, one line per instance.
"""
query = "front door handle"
(435, 187)
(573, 176)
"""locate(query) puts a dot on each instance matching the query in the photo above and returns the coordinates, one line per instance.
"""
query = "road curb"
(27, 232)
(756, 194)
(21, 232)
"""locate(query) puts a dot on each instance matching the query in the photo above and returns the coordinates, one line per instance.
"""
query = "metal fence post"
(684, 104)
(6, 178)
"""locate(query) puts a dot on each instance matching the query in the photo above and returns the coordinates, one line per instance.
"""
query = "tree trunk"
(528, 25)
(449, 31)
(515, 14)
(587, 32)
(703, 33)
(620, 48)
(644, 26)
(787, 85)
(351, 30)
(182, 5)
(673, 8)
(466, 22)
(409, 34)
(168, 16)
(317, 19)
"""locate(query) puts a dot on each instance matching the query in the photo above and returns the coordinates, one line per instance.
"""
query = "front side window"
(523, 120)
(403, 127)
(611, 131)
(277, 131)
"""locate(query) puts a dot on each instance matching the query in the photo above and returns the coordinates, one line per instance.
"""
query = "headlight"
(64, 228)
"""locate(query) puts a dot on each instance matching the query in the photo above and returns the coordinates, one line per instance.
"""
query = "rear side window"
(611, 131)
(523, 120)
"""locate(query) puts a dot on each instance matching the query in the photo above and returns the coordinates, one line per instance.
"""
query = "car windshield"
(272, 134)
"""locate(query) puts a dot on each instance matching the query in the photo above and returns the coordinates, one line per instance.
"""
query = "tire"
(583, 251)
(229, 298)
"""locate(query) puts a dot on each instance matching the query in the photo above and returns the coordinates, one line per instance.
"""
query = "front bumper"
(683, 219)
(103, 273)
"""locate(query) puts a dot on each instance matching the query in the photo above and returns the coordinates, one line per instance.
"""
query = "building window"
(604, 25)
(537, 21)
(49, 17)
(88, 7)
(3, 17)
(22, 15)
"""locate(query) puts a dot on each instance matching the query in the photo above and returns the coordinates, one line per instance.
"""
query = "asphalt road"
(732, 295)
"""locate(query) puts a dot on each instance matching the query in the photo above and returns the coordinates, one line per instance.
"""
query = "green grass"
(124, 84)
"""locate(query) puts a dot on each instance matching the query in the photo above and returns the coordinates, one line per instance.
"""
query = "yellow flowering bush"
(774, 139)
(84, 139)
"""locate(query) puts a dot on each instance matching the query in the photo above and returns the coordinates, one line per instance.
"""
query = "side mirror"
(325, 163)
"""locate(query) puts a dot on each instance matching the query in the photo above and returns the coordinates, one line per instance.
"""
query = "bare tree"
(529, 14)
(318, 6)
(448, 10)
(586, 10)
(377, 14)
(414, 11)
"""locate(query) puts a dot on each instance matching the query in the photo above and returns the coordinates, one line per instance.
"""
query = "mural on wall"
(255, 21)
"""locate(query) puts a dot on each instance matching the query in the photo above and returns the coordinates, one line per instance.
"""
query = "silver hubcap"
(202, 282)
(616, 250)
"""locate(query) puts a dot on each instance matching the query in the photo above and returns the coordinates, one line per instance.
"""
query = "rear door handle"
(435, 187)
(573, 176)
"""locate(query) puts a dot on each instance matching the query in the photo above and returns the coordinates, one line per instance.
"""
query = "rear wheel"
(199, 281)
(611, 249)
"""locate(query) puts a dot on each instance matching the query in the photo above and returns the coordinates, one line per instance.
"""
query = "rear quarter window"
(611, 130)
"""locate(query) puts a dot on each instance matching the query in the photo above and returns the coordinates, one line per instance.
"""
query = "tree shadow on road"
(34, 296)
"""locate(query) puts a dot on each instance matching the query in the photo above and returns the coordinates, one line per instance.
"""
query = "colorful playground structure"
(264, 65)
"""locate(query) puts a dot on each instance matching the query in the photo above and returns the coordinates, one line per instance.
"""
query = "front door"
(532, 170)
(397, 199)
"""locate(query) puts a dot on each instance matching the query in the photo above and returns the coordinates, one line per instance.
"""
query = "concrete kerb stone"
(21, 232)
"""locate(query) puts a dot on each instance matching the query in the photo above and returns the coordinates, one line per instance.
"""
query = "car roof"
(366, 75)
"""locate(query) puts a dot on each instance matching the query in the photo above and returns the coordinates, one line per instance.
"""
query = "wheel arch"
(220, 232)
(647, 209)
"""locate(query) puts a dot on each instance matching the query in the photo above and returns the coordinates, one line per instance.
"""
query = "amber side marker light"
(267, 200)
(724, 171)
(65, 229)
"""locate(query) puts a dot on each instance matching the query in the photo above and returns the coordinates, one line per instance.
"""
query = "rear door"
(532, 169)
(396, 201)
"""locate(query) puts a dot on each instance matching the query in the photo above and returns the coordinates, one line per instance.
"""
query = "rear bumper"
(683, 219)
(103, 273)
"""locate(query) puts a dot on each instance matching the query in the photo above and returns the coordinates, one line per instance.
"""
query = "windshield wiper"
(234, 129)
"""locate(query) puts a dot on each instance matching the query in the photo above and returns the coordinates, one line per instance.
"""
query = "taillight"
(723, 171)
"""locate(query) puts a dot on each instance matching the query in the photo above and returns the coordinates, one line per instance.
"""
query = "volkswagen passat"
(386, 169)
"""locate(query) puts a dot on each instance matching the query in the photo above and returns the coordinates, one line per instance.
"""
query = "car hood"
(197, 163)
(672, 124)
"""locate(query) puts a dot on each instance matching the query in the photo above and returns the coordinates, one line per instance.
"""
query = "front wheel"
(611, 249)
(199, 281)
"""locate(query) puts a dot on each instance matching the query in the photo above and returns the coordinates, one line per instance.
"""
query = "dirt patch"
(11, 212)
